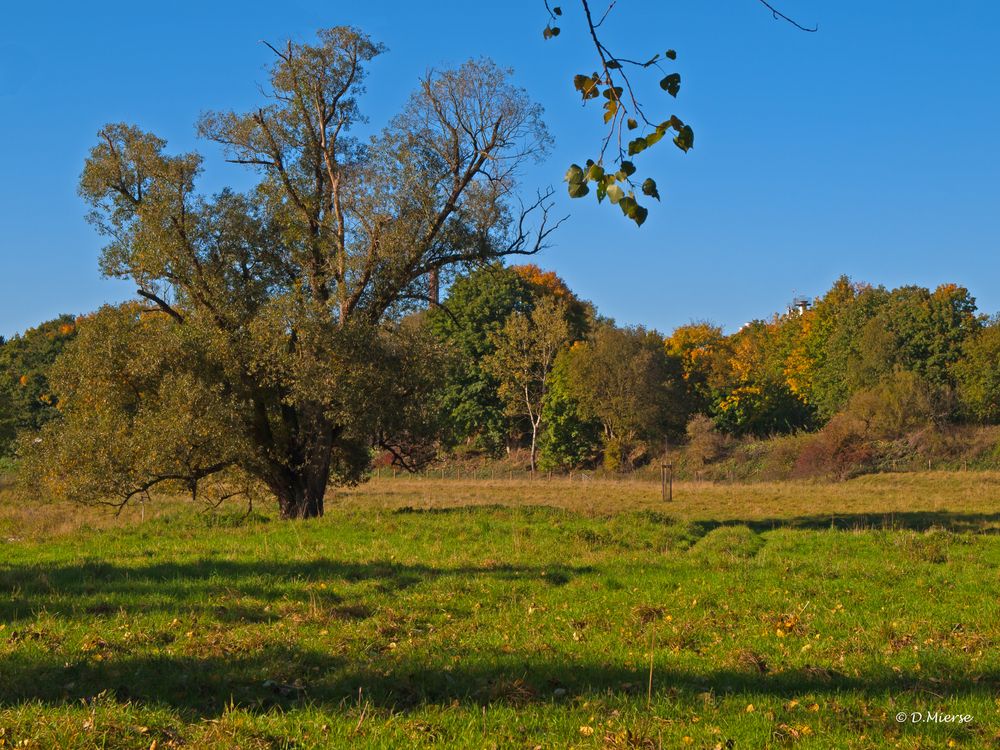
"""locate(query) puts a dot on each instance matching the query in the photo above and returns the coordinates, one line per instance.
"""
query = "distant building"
(799, 306)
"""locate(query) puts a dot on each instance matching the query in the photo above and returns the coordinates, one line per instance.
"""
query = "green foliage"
(569, 440)
(473, 313)
(133, 413)
(865, 334)
(977, 375)
(623, 378)
(525, 350)
(471, 322)
(765, 408)
(412, 421)
(618, 186)
(27, 400)
(901, 403)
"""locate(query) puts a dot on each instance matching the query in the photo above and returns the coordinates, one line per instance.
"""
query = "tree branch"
(161, 304)
(778, 14)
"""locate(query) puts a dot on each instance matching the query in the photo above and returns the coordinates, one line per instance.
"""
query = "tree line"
(885, 362)
(513, 360)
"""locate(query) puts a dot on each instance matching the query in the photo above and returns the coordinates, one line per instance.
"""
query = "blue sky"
(869, 148)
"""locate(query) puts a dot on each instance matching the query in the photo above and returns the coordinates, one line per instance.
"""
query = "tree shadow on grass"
(216, 587)
(920, 520)
(981, 523)
(285, 677)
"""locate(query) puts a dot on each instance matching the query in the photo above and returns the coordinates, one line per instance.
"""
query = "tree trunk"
(301, 494)
(534, 440)
(300, 490)
(433, 288)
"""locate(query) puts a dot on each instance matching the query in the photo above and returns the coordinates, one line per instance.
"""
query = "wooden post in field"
(666, 474)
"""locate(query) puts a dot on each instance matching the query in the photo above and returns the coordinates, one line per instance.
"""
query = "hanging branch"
(623, 113)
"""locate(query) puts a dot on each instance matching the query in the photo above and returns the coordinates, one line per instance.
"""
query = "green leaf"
(550, 31)
(684, 140)
(557, 11)
(612, 110)
(671, 84)
(671, 54)
(574, 174)
(613, 65)
(637, 146)
(633, 210)
(653, 138)
(615, 193)
(586, 85)
(578, 189)
(649, 188)
(595, 172)
(632, 124)
(628, 168)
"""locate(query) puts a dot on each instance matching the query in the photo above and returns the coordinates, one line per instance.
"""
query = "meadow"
(511, 614)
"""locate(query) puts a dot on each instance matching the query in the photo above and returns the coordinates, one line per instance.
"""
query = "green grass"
(494, 626)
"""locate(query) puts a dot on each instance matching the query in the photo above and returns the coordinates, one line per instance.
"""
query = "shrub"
(901, 403)
(840, 450)
(778, 462)
(705, 442)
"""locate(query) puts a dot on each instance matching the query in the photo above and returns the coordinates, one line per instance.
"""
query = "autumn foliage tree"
(262, 352)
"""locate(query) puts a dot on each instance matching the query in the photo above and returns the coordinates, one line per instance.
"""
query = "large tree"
(275, 309)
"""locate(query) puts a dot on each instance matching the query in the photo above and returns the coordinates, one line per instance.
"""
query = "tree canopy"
(270, 316)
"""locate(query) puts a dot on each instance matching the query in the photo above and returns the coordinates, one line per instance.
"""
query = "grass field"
(512, 614)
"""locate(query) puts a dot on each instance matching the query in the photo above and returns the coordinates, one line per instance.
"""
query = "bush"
(900, 404)
(705, 443)
(783, 451)
(840, 450)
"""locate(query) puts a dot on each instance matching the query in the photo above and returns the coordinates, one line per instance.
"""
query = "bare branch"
(778, 14)
(161, 304)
